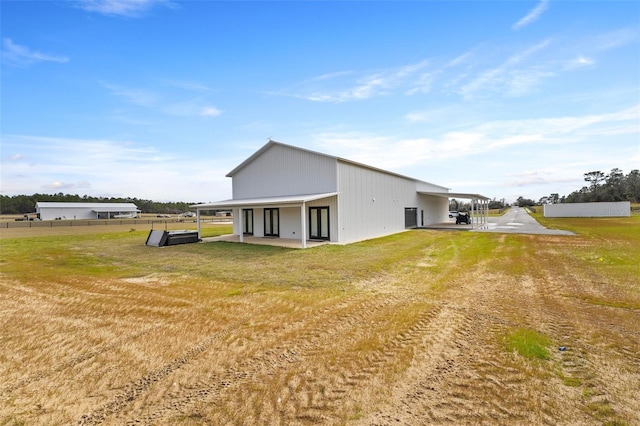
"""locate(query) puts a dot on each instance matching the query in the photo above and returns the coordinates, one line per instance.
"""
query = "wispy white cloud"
(210, 111)
(527, 53)
(187, 85)
(159, 101)
(136, 96)
(495, 157)
(533, 15)
(332, 75)
(364, 86)
(22, 56)
(615, 39)
(561, 130)
(423, 84)
(459, 60)
(578, 62)
(367, 87)
(516, 75)
(440, 114)
(390, 152)
(67, 186)
(190, 108)
(122, 8)
(510, 78)
(108, 167)
(16, 157)
(484, 71)
(542, 176)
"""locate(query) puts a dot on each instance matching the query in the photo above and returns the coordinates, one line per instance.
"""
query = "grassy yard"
(422, 326)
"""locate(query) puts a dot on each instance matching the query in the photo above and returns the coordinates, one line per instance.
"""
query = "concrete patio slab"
(266, 241)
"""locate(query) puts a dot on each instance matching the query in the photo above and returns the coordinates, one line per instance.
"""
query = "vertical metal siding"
(372, 203)
(436, 209)
(258, 222)
(603, 209)
(290, 222)
(430, 187)
(285, 171)
(51, 213)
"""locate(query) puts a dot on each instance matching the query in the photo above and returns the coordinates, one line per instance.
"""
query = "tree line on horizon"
(21, 204)
(614, 186)
(602, 187)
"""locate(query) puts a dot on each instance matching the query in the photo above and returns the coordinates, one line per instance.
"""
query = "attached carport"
(238, 206)
(479, 205)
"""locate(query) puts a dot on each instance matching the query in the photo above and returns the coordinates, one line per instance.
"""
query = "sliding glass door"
(319, 223)
(247, 222)
(271, 222)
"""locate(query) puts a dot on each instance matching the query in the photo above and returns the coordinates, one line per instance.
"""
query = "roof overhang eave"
(263, 202)
(110, 210)
(465, 195)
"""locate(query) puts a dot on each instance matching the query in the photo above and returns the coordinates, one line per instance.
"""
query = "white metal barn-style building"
(70, 211)
(601, 209)
(289, 192)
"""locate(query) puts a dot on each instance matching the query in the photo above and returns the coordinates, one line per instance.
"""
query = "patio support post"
(486, 212)
(198, 221)
(241, 223)
(473, 216)
(304, 225)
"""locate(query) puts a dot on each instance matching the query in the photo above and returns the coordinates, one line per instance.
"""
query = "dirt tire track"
(136, 389)
(573, 364)
(411, 346)
(274, 360)
(131, 391)
(576, 373)
(586, 365)
(75, 361)
(439, 385)
(578, 364)
(328, 388)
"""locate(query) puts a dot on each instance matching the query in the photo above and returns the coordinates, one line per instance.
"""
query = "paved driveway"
(518, 221)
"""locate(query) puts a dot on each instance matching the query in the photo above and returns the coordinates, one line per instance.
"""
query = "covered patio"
(265, 241)
(479, 213)
(240, 227)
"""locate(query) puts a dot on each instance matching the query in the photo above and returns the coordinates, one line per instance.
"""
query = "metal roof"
(102, 207)
(264, 201)
(340, 159)
(455, 195)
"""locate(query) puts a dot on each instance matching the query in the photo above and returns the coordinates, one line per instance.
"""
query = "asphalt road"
(518, 221)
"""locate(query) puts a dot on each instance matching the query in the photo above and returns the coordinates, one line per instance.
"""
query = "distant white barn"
(65, 211)
(288, 192)
(601, 209)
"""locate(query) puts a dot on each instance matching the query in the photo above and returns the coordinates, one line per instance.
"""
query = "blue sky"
(159, 99)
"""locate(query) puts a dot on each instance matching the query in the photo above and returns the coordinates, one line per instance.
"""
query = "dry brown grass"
(409, 329)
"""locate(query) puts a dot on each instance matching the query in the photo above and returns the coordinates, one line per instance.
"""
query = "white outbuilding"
(601, 209)
(283, 191)
(71, 211)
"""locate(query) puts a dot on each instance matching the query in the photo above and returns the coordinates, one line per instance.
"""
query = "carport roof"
(96, 207)
(264, 201)
(465, 195)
